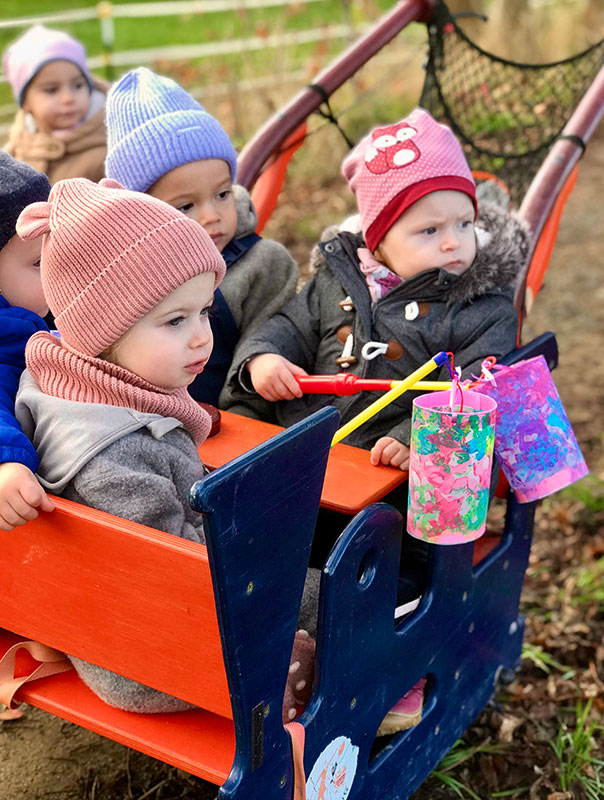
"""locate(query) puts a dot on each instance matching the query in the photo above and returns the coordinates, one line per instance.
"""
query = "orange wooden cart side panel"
(197, 741)
(131, 592)
(545, 245)
(483, 546)
(351, 482)
(267, 188)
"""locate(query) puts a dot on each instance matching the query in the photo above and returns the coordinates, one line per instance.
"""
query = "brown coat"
(79, 153)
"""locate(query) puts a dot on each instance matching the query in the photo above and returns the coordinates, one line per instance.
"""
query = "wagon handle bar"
(558, 164)
(285, 121)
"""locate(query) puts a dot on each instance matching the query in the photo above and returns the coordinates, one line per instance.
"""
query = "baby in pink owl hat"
(425, 270)
(428, 271)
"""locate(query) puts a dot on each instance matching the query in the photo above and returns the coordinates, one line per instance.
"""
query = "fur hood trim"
(503, 244)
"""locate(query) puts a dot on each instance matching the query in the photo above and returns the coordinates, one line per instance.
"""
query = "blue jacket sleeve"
(16, 326)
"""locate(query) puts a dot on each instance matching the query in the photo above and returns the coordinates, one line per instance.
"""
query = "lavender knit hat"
(38, 46)
(110, 255)
(153, 126)
(394, 166)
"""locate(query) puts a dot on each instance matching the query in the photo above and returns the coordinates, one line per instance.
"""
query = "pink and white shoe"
(406, 713)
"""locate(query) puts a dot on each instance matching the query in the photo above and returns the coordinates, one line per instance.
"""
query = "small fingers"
(290, 385)
(375, 456)
(46, 504)
(400, 458)
(10, 519)
(275, 389)
(19, 511)
(389, 451)
(32, 493)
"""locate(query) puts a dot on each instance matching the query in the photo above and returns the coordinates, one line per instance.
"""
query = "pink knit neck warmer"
(62, 372)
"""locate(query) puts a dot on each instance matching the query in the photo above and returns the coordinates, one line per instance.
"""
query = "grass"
(150, 32)
(155, 32)
(576, 751)
(589, 491)
(589, 589)
(543, 660)
(457, 755)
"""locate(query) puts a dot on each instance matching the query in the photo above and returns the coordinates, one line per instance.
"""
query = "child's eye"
(429, 230)
(467, 223)
(49, 90)
(205, 311)
(223, 195)
(80, 84)
(185, 208)
(174, 323)
(37, 264)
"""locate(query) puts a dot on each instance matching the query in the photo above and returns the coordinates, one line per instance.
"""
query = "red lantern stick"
(344, 383)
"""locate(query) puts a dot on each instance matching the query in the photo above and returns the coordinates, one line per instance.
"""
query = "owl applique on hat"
(391, 148)
(396, 165)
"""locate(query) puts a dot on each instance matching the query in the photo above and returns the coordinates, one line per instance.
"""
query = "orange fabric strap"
(297, 733)
(51, 663)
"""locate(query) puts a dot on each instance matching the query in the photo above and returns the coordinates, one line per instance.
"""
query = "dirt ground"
(42, 757)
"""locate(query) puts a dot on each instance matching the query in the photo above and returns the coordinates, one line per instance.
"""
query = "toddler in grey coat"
(130, 282)
(424, 274)
(161, 141)
(428, 271)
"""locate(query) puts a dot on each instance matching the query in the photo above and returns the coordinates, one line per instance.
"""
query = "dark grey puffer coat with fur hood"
(471, 315)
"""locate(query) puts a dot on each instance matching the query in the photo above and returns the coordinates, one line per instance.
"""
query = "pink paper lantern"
(450, 467)
(534, 440)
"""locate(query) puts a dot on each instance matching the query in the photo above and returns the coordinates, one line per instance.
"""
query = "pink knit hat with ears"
(110, 255)
(396, 165)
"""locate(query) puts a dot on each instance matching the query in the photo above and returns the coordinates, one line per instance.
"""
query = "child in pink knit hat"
(423, 274)
(59, 128)
(130, 281)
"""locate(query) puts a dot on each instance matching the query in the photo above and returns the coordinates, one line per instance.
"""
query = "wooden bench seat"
(144, 604)
(351, 482)
(71, 588)
(198, 742)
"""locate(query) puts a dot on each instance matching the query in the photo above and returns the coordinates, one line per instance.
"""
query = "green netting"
(507, 115)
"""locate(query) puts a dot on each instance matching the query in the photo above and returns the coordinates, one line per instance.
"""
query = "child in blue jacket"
(22, 306)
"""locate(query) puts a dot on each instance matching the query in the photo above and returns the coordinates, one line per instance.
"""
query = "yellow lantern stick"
(428, 386)
(401, 387)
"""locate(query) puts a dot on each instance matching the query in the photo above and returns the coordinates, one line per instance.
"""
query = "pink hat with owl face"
(396, 165)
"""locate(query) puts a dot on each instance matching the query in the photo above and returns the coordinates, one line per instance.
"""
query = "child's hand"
(273, 377)
(390, 451)
(20, 496)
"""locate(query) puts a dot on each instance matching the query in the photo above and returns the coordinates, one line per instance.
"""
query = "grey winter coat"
(134, 465)
(137, 466)
(471, 315)
(259, 283)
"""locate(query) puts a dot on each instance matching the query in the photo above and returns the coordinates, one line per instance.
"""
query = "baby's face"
(20, 274)
(172, 343)
(203, 191)
(58, 97)
(436, 231)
